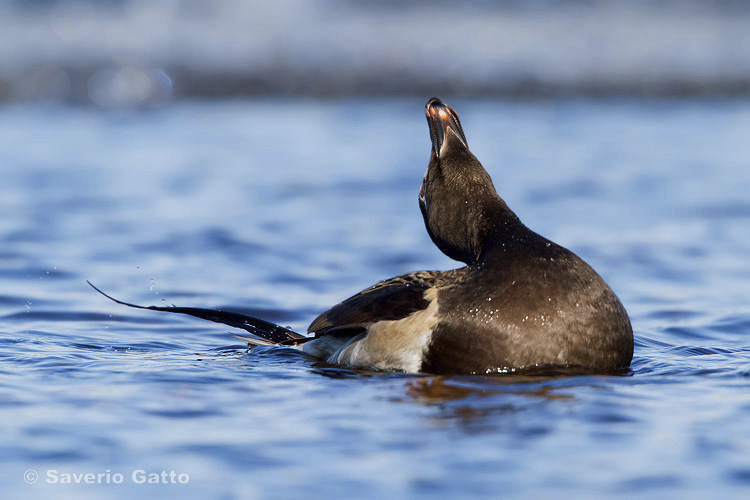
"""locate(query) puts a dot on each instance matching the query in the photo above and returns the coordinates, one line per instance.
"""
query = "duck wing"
(389, 300)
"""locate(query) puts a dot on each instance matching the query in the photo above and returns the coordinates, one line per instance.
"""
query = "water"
(282, 208)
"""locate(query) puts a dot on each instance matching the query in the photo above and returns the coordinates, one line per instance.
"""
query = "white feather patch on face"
(393, 345)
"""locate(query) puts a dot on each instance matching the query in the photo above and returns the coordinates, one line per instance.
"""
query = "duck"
(519, 302)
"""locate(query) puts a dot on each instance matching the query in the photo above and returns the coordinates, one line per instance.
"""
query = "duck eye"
(421, 192)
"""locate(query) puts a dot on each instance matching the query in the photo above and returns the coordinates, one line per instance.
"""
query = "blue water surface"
(281, 208)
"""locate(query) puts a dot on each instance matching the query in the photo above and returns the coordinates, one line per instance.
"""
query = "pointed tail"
(262, 332)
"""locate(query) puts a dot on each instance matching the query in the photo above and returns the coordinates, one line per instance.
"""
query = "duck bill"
(445, 127)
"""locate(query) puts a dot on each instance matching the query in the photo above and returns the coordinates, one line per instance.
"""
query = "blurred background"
(144, 53)
(266, 158)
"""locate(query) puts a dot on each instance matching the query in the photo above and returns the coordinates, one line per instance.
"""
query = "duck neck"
(506, 234)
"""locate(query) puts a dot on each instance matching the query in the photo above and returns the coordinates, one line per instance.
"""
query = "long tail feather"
(263, 332)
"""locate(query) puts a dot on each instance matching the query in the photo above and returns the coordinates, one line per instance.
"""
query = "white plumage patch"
(324, 346)
(387, 345)
(393, 345)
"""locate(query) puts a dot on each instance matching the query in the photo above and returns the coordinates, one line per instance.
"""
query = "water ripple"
(195, 204)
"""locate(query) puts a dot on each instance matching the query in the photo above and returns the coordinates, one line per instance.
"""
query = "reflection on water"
(475, 404)
(437, 389)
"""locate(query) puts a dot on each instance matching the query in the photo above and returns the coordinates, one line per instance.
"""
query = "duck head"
(460, 206)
